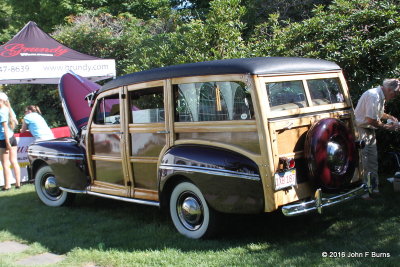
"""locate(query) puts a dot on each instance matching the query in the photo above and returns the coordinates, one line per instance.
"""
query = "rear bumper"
(321, 202)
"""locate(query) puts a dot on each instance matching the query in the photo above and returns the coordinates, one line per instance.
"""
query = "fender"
(229, 181)
(65, 157)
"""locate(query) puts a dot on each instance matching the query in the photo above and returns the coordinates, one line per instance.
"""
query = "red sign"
(12, 50)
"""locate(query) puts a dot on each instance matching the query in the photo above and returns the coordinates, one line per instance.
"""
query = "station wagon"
(239, 136)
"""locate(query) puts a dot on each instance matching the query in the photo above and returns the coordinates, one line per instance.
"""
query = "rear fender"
(229, 181)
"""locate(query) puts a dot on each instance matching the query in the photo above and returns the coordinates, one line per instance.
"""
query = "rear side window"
(212, 101)
(289, 92)
(325, 91)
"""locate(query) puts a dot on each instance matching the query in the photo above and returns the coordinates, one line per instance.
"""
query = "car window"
(325, 91)
(286, 95)
(147, 105)
(107, 110)
(212, 101)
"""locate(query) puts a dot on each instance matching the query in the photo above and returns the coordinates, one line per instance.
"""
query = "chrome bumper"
(320, 202)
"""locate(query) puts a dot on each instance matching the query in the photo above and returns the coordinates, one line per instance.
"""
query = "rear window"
(289, 92)
(292, 94)
(325, 91)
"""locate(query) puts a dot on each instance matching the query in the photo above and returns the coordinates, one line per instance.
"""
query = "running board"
(126, 199)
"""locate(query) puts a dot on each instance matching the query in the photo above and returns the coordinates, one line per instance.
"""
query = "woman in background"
(8, 143)
(35, 123)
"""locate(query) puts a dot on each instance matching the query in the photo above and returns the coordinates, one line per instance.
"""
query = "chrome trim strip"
(213, 171)
(55, 155)
(320, 202)
(132, 200)
(126, 199)
(73, 190)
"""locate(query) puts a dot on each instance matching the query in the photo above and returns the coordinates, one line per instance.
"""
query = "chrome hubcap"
(336, 151)
(190, 211)
(50, 188)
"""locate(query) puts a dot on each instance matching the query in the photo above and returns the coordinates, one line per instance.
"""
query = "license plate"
(285, 179)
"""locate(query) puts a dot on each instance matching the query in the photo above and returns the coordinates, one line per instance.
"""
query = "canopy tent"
(32, 56)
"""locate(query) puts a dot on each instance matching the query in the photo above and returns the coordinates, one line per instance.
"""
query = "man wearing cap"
(368, 114)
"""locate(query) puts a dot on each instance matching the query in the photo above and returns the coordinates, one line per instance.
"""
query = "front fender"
(65, 157)
(229, 181)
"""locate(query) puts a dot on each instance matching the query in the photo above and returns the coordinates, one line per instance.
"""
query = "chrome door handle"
(288, 126)
(344, 116)
(163, 132)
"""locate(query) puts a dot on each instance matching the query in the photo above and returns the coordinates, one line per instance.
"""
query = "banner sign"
(33, 56)
(53, 70)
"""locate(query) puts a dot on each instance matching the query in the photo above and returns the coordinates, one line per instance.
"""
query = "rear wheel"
(190, 212)
(48, 191)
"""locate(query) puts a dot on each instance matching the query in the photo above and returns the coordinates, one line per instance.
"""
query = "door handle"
(288, 126)
(163, 132)
(344, 116)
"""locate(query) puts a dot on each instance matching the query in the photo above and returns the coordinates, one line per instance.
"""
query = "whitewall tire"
(48, 191)
(190, 212)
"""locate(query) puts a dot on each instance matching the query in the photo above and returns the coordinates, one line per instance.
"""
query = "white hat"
(3, 96)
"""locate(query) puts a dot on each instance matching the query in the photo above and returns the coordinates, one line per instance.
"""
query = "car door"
(147, 136)
(106, 145)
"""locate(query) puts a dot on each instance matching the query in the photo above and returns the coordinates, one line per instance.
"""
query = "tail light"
(286, 163)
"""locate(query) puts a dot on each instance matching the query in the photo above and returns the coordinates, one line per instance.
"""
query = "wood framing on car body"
(225, 136)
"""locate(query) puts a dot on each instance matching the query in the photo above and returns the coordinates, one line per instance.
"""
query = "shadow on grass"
(95, 223)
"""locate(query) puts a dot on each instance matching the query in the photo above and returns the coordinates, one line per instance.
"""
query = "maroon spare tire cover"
(330, 153)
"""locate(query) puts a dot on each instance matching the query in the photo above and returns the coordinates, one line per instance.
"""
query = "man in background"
(368, 113)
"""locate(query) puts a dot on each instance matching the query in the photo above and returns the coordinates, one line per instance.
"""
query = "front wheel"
(190, 212)
(48, 191)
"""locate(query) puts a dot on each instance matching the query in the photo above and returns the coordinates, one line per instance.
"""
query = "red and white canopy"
(32, 56)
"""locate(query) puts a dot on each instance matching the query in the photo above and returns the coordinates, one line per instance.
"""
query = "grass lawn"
(101, 232)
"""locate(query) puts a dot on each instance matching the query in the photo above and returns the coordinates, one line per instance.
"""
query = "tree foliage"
(362, 36)
(166, 39)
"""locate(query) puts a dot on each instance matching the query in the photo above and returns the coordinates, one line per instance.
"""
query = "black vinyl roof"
(258, 65)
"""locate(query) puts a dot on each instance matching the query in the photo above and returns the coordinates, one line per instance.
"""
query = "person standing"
(35, 123)
(368, 114)
(8, 143)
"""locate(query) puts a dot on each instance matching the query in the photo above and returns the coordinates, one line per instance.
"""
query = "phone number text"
(14, 68)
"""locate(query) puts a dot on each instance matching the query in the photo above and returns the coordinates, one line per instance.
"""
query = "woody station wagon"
(237, 136)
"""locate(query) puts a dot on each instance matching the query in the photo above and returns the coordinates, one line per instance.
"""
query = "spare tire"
(331, 154)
